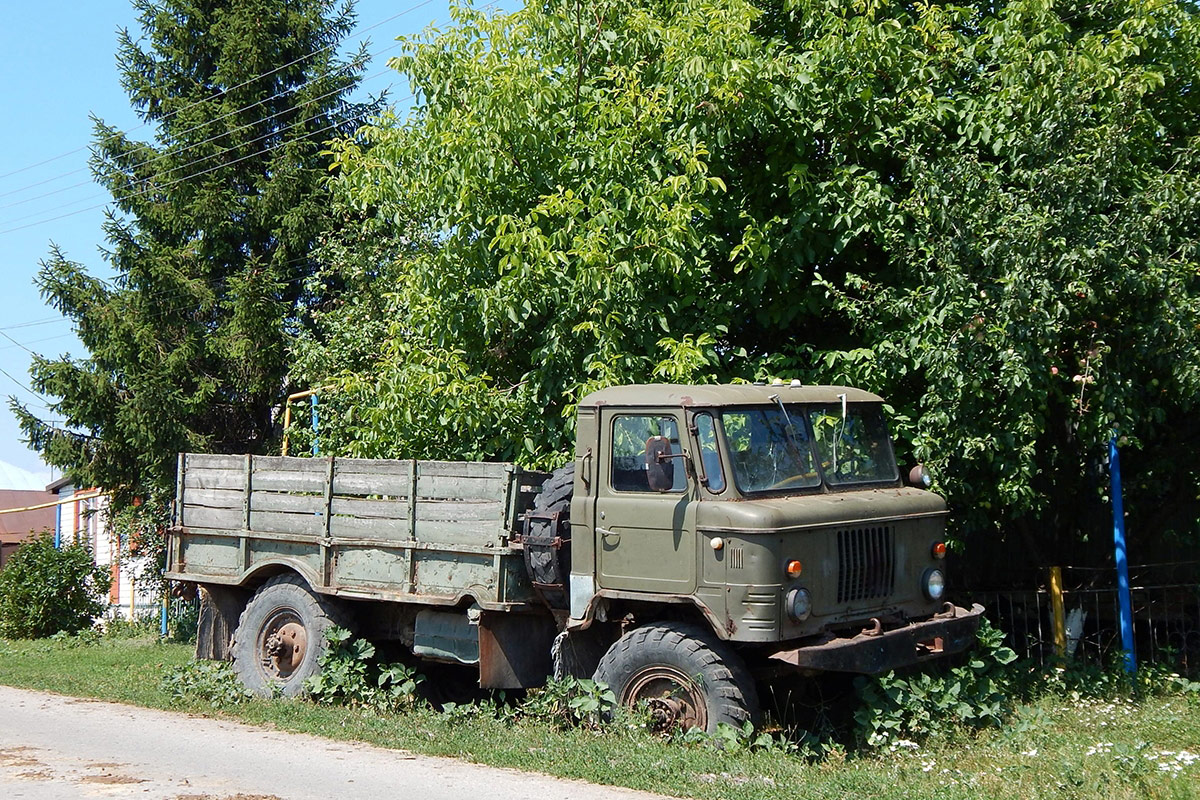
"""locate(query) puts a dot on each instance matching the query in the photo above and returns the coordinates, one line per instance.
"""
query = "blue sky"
(57, 66)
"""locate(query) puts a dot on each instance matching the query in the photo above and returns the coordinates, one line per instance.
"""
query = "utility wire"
(200, 160)
(177, 181)
(220, 92)
(177, 151)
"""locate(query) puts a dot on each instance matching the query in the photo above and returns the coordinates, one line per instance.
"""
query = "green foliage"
(986, 213)
(351, 675)
(571, 702)
(903, 708)
(745, 739)
(213, 682)
(45, 590)
(210, 239)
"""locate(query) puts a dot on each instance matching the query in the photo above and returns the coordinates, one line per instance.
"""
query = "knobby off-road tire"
(556, 491)
(547, 564)
(281, 635)
(688, 677)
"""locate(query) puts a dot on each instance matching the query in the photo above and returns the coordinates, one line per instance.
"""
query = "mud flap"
(220, 608)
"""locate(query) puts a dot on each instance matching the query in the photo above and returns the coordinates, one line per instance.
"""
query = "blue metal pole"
(58, 527)
(163, 618)
(315, 446)
(1114, 466)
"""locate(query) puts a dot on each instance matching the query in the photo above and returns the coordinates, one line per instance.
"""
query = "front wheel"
(686, 677)
(281, 636)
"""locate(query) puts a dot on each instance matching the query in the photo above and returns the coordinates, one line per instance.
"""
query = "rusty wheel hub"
(673, 699)
(284, 643)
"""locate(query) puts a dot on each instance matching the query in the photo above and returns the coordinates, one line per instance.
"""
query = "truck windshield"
(770, 455)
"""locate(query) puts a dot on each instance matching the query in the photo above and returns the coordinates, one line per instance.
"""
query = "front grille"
(866, 564)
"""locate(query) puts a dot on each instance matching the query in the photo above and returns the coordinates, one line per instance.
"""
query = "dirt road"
(54, 747)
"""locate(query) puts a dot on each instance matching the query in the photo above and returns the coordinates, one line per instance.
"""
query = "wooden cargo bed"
(432, 532)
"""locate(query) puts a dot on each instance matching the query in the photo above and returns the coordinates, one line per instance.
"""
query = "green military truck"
(704, 540)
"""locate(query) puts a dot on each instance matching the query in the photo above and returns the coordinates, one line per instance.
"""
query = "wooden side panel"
(403, 529)
(211, 555)
(202, 478)
(223, 519)
(381, 567)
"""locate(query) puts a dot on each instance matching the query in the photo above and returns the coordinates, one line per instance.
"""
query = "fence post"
(1059, 616)
(1126, 605)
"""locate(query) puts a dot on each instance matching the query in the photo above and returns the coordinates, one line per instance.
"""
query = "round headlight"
(934, 584)
(799, 604)
(919, 476)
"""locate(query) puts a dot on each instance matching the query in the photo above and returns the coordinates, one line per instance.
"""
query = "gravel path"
(54, 747)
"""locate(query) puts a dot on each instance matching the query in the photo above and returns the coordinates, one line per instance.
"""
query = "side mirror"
(660, 469)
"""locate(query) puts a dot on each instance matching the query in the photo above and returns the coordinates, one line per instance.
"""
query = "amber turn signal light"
(794, 568)
(938, 550)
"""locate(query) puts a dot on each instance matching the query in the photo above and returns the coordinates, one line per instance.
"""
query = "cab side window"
(634, 436)
(706, 436)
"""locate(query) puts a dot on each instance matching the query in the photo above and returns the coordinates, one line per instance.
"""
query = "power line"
(169, 184)
(220, 92)
(206, 123)
(218, 153)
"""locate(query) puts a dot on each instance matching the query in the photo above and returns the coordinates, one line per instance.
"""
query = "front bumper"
(873, 652)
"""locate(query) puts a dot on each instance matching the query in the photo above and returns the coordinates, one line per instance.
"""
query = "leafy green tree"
(986, 213)
(210, 239)
(44, 589)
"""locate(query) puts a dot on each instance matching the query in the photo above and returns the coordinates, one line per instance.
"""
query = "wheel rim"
(282, 644)
(673, 699)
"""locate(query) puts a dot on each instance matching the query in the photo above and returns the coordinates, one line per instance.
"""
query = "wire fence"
(1166, 615)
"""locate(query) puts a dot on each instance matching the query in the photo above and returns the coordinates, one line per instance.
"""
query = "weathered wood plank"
(289, 464)
(289, 503)
(355, 527)
(209, 461)
(371, 509)
(461, 532)
(279, 522)
(373, 466)
(459, 511)
(215, 498)
(288, 481)
(196, 478)
(463, 469)
(356, 483)
(220, 518)
(458, 488)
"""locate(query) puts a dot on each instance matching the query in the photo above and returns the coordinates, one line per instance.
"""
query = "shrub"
(210, 681)
(901, 708)
(45, 590)
(352, 676)
(571, 702)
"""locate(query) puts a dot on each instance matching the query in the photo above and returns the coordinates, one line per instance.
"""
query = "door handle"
(605, 532)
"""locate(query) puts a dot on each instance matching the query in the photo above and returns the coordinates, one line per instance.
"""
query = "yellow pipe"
(287, 412)
(51, 504)
(1056, 602)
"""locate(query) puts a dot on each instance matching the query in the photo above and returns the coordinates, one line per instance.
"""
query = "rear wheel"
(281, 636)
(686, 677)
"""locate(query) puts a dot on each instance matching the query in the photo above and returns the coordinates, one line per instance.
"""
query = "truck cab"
(776, 512)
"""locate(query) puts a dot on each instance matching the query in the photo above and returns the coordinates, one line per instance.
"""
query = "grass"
(1058, 746)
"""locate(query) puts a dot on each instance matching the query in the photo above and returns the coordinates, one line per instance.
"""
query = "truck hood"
(777, 514)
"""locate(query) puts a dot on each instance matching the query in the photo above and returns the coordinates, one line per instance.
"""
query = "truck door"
(645, 534)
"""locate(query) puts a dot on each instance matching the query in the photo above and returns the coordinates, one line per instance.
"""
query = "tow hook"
(948, 612)
(875, 628)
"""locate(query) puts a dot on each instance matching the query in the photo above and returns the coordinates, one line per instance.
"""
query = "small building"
(17, 526)
(83, 519)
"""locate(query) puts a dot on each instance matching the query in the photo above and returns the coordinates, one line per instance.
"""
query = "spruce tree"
(210, 236)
